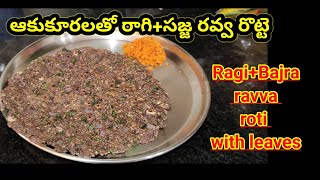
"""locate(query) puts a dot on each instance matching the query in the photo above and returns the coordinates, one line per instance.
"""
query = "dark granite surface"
(222, 117)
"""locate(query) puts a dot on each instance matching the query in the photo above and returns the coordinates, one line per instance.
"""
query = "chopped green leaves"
(114, 114)
(61, 85)
(100, 69)
(71, 139)
(51, 98)
(95, 101)
(97, 138)
(155, 89)
(104, 117)
(121, 121)
(45, 86)
(71, 113)
(60, 73)
(123, 97)
(5, 112)
(135, 143)
(100, 139)
(59, 116)
(74, 60)
(91, 126)
(88, 84)
(84, 119)
(65, 50)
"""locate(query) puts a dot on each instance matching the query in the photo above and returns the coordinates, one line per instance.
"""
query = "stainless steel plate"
(183, 80)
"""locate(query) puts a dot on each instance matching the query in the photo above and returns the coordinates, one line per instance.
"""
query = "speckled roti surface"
(86, 101)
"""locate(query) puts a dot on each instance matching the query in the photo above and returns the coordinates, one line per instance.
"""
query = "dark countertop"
(222, 117)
